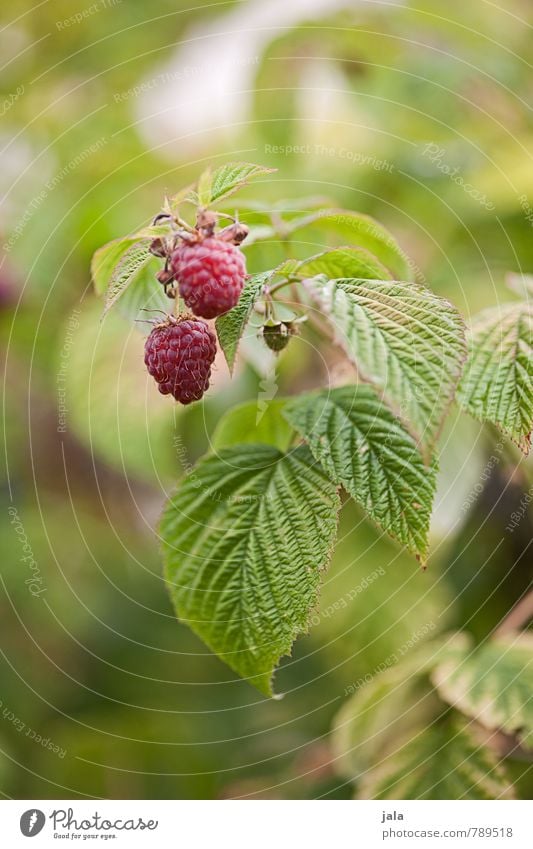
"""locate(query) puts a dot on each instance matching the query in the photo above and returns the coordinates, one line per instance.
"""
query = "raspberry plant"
(247, 537)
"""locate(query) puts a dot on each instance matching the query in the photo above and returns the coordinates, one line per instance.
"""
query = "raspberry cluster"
(209, 271)
(179, 354)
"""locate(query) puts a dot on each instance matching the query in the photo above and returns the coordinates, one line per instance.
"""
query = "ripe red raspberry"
(210, 274)
(179, 354)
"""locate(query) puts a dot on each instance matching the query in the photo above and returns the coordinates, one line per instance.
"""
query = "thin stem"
(520, 615)
(280, 285)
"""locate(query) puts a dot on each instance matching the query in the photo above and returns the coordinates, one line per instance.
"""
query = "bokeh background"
(416, 113)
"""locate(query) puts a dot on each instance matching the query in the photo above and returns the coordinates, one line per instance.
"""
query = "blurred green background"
(412, 113)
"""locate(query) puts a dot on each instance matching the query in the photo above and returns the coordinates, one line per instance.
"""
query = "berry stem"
(282, 283)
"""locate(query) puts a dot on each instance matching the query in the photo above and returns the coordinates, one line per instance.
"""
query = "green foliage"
(231, 325)
(253, 422)
(498, 381)
(491, 684)
(361, 230)
(249, 531)
(395, 740)
(106, 260)
(444, 761)
(364, 448)
(215, 186)
(403, 339)
(246, 539)
(138, 688)
(128, 270)
(124, 422)
(124, 270)
(395, 703)
(344, 262)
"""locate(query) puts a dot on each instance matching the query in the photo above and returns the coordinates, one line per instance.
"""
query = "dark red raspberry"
(210, 274)
(179, 354)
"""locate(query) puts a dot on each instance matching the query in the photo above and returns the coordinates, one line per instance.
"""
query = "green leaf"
(442, 761)
(114, 407)
(498, 381)
(361, 230)
(107, 257)
(185, 195)
(231, 325)
(246, 538)
(364, 448)
(205, 185)
(493, 684)
(144, 295)
(393, 740)
(253, 422)
(214, 186)
(344, 262)
(129, 269)
(232, 176)
(403, 339)
(394, 702)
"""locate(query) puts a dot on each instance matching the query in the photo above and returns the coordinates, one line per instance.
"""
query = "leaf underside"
(404, 339)
(364, 448)
(497, 384)
(245, 540)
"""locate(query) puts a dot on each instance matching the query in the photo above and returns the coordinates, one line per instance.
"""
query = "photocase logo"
(32, 822)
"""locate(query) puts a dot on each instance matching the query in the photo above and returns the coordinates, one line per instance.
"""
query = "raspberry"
(179, 354)
(210, 274)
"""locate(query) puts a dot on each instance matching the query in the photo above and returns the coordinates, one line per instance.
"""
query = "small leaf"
(253, 422)
(142, 297)
(361, 230)
(497, 384)
(205, 184)
(364, 448)
(403, 339)
(246, 538)
(232, 176)
(492, 684)
(107, 257)
(344, 262)
(129, 268)
(231, 325)
(185, 195)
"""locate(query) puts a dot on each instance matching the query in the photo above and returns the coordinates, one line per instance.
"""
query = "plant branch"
(520, 615)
